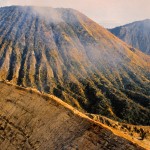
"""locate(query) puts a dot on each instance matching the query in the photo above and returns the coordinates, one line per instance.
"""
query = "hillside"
(64, 53)
(136, 34)
(135, 133)
(30, 120)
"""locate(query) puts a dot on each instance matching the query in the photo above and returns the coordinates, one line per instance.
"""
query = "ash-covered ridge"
(30, 120)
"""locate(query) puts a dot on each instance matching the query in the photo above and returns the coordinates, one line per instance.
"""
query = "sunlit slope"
(136, 34)
(136, 133)
(29, 120)
(62, 52)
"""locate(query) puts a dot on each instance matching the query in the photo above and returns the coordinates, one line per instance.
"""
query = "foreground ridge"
(30, 120)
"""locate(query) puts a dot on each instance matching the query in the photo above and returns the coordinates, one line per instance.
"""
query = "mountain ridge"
(135, 34)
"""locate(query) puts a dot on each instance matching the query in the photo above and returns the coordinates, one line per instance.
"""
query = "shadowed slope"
(29, 120)
(136, 34)
(75, 59)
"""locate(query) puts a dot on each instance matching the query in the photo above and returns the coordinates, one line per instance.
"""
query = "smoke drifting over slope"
(109, 13)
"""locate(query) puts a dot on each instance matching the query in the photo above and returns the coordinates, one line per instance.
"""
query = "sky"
(108, 13)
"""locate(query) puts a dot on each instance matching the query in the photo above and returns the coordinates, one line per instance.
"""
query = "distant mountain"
(63, 52)
(136, 34)
(30, 120)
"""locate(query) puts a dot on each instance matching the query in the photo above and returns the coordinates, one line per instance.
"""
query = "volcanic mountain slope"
(136, 34)
(62, 52)
(29, 120)
(137, 134)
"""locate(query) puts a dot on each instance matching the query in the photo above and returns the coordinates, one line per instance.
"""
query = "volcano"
(62, 52)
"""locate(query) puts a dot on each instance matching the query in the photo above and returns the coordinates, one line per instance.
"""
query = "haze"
(109, 13)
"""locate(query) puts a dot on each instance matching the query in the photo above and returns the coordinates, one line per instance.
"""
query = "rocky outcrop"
(30, 120)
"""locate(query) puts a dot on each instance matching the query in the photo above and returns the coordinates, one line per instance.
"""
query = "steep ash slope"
(136, 34)
(29, 120)
(62, 52)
